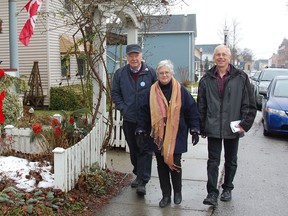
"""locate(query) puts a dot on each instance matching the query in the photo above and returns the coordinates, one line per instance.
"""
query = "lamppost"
(201, 63)
(225, 35)
(31, 112)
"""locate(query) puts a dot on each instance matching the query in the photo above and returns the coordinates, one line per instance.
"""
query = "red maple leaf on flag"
(32, 7)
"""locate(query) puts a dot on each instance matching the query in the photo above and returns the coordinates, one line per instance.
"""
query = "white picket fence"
(68, 163)
(20, 140)
(118, 134)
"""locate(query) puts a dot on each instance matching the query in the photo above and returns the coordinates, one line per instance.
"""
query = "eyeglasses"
(164, 73)
(221, 54)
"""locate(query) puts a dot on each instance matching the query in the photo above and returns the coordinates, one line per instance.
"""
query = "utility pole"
(225, 35)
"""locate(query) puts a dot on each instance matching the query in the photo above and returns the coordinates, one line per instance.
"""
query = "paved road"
(262, 176)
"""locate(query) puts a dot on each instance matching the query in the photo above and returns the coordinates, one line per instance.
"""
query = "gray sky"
(262, 24)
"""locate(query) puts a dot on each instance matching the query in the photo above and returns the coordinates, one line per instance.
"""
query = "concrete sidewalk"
(194, 177)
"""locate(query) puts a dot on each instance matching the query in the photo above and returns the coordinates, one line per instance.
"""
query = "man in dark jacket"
(224, 96)
(129, 86)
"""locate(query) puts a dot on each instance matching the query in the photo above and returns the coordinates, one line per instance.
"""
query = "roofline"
(168, 32)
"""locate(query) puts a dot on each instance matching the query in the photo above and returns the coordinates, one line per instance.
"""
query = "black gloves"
(195, 138)
(203, 134)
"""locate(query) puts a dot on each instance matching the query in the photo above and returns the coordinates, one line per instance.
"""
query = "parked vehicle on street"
(252, 73)
(263, 82)
(275, 107)
(253, 80)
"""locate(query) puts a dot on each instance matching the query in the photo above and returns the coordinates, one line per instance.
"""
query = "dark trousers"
(230, 165)
(164, 174)
(140, 153)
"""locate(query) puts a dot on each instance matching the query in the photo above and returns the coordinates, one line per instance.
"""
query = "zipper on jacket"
(229, 94)
(221, 115)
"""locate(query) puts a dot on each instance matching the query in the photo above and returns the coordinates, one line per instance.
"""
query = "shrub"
(72, 128)
(12, 107)
(66, 98)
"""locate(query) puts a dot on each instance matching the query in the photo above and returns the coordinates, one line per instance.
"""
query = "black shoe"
(141, 190)
(164, 202)
(226, 195)
(177, 198)
(134, 183)
(211, 199)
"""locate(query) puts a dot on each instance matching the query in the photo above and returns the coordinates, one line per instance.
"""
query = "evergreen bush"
(66, 98)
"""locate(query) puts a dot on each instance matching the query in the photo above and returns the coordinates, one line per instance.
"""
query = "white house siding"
(4, 37)
(56, 28)
(43, 46)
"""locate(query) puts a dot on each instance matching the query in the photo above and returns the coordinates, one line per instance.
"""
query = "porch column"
(13, 42)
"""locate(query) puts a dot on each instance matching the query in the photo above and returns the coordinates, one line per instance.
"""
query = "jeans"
(230, 165)
(164, 174)
(140, 155)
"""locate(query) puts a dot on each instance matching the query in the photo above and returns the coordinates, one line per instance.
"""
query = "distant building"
(167, 37)
(207, 55)
(272, 62)
(282, 59)
(260, 64)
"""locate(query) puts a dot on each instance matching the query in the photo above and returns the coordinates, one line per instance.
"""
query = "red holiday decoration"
(71, 120)
(37, 128)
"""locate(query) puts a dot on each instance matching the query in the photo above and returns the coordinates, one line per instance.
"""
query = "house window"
(65, 66)
(68, 5)
(81, 65)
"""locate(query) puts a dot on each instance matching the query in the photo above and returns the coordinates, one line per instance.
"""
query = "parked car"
(263, 82)
(275, 107)
(252, 73)
(253, 80)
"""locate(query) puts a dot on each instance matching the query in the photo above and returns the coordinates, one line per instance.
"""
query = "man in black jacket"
(130, 83)
(224, 96)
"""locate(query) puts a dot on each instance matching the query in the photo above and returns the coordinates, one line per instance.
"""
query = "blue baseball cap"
(133, 48)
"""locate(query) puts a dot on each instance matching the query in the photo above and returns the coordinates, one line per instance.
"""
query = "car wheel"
(259, 105)
(265, 132)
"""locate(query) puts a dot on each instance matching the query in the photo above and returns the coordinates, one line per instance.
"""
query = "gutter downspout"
(193, 56)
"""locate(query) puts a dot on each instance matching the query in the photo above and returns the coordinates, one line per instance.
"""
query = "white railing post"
(60, 169)
(103, 160)
(8, 129)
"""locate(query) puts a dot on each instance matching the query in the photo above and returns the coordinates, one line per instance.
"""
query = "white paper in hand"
(233, 124)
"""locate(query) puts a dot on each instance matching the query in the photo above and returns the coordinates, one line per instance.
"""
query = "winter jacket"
(127, 93)
(218, 110)
(189, 119)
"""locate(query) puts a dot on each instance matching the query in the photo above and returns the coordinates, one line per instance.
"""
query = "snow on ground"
(18, 169)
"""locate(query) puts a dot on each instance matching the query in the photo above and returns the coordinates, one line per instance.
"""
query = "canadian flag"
(32, 7)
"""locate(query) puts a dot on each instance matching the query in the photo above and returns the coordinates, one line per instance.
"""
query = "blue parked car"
(275, 107)
(263, 81)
